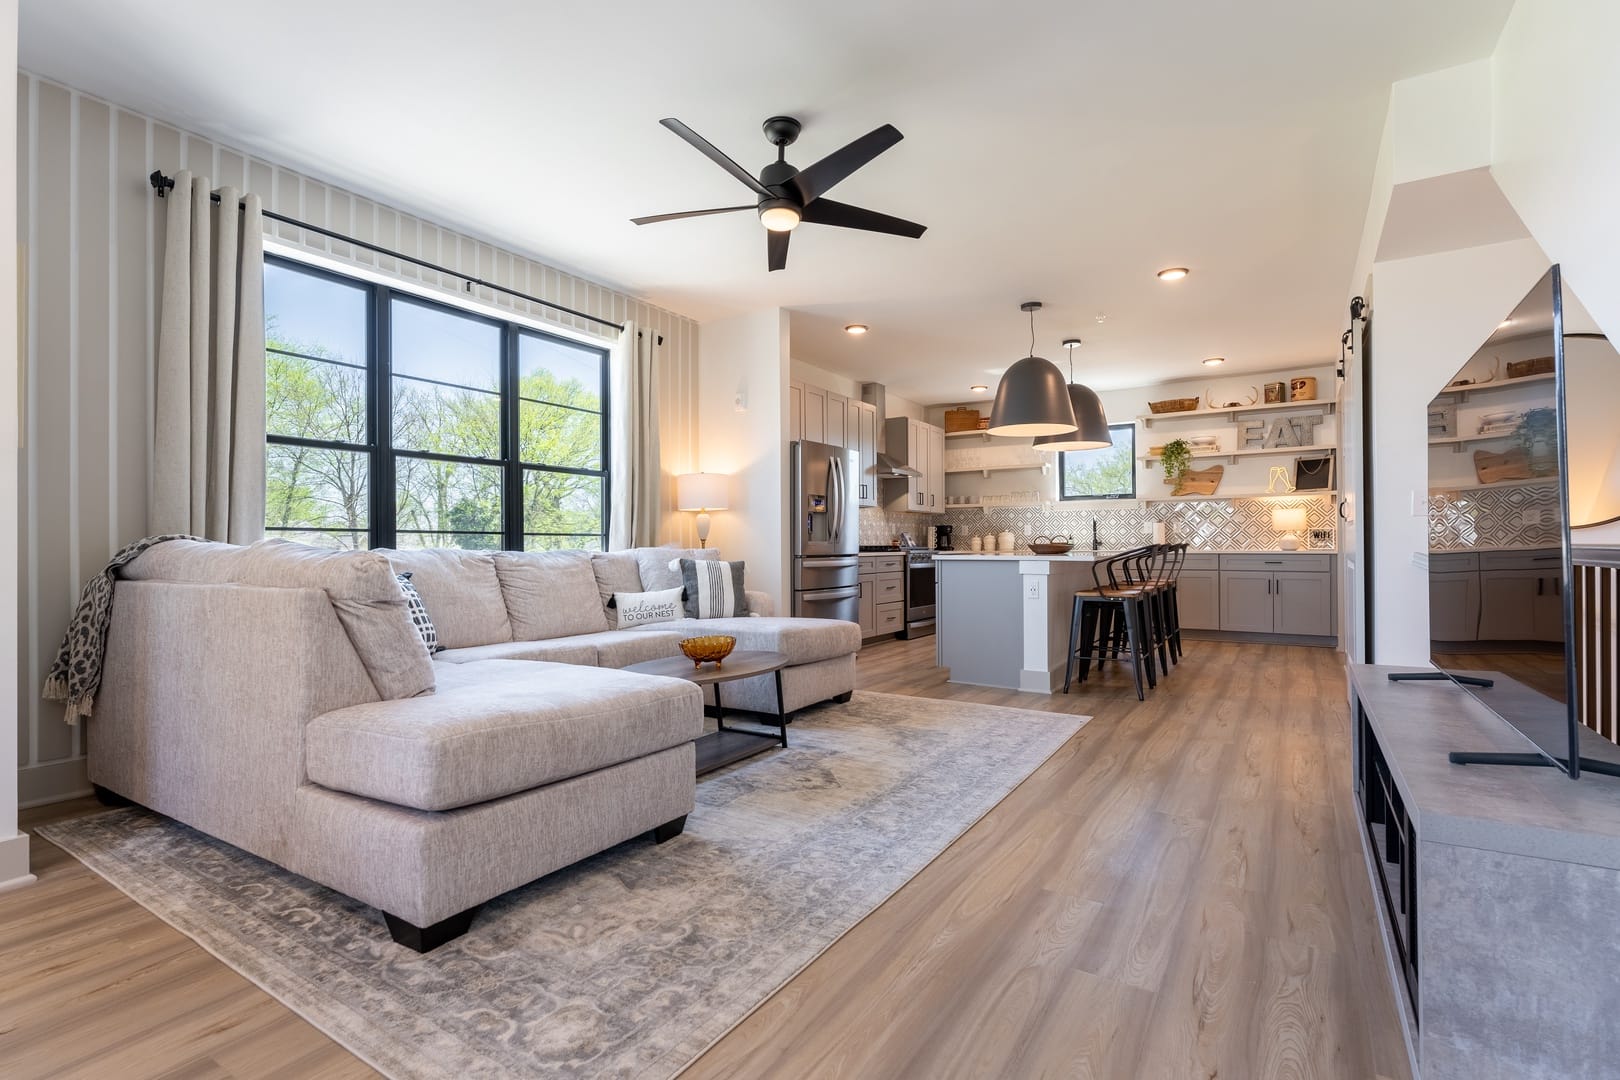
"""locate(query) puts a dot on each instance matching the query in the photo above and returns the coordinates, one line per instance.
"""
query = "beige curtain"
(208, 454)
(637, 474)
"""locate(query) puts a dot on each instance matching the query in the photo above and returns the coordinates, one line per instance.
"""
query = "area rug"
(631, 963)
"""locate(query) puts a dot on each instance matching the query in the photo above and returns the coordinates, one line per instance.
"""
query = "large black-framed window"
(1109, 473)
(396, 421)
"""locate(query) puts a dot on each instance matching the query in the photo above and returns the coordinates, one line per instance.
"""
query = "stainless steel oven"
(919, 593)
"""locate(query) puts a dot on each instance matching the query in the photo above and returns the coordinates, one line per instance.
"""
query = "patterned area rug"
(631, 963)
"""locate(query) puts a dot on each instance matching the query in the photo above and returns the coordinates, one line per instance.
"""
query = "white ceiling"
(1059, 150)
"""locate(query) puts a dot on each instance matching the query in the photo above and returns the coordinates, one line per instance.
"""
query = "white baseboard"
(54, 781)
(14, 863)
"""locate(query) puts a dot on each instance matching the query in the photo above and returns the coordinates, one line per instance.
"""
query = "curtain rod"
(161, 184)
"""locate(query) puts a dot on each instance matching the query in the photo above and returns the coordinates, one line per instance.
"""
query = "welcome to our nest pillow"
(645, 608)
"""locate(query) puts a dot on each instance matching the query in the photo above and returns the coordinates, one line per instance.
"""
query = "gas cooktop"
(880, 547)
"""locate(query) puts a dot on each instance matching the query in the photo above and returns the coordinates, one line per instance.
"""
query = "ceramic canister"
(976, 544)
(1006, 542)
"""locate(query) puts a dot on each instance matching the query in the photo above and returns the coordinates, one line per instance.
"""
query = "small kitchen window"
(1109, 473)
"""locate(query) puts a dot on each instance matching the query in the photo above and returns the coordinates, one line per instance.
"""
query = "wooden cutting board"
(1494, 468)
(1200, 481)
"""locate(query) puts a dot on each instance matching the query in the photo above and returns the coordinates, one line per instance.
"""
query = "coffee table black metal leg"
(719, 711)
(781, 710)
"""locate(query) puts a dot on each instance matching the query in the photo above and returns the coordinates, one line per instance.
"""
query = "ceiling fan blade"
(845, 216)
(712, 152)
(819, 178)
(776, 248)
(689, 213)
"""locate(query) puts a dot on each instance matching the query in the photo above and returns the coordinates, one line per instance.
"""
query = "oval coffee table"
(720, 748)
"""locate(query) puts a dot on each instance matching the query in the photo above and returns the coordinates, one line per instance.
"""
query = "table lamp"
(702, 492)
(1288, 520)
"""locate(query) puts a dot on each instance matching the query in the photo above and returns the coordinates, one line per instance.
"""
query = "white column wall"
(742, 432)
(13, 845)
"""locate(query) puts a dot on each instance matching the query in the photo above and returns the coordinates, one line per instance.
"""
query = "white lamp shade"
(702, 491)
(1288, 518)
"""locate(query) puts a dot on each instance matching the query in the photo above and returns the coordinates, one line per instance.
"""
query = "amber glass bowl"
(710, 649)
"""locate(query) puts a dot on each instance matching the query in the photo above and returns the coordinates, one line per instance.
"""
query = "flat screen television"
(1526, 429)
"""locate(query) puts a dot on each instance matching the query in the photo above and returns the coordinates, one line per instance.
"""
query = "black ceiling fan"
(788, 195)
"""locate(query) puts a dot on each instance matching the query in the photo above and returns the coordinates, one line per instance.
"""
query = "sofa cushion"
(616, 572)
(463, 592)
(549, 594)
(621, 648)
(360, 585)
(656, 571)
(496, 727)
(564, 650)
(802, 641)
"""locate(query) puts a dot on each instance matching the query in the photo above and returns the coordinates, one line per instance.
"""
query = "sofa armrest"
(759, 603)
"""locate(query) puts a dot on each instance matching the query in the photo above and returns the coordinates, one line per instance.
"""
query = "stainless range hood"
(887, 468)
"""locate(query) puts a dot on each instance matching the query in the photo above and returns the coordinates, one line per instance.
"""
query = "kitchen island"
(1003, 620)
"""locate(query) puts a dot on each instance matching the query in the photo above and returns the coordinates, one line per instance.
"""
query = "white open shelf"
(1462, 392)
(1452, 489)
(985, 435)
(981, 505)
(1230, 495)
(1044, 466)
(1457, 442)
(1232, 414)
(1254, 451)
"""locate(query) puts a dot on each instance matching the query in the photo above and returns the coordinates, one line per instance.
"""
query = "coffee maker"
(942, 537)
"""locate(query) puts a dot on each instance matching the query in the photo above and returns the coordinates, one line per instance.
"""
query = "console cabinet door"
(1304, 604)
(865, 423)
(1454, 606)
(1198, 597)
(1248, 603)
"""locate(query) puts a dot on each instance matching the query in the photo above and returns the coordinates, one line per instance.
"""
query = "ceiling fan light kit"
(1032, 398)
(1091, 423)
(788, 195)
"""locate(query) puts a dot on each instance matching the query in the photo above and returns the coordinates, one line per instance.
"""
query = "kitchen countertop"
(1086, 554)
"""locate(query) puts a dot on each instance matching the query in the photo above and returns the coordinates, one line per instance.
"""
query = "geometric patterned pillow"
(419, 613)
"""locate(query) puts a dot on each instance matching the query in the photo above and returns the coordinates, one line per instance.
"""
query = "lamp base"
(703, 528)
(1289, 542)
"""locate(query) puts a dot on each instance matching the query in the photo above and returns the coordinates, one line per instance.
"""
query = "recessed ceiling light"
(1214, 361)
(856, 328)
(1173, 273)
(978, 388)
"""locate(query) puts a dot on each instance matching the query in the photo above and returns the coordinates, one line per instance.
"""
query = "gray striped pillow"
(714, 589)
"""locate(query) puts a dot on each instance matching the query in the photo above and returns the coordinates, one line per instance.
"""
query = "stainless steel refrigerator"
(826, 532)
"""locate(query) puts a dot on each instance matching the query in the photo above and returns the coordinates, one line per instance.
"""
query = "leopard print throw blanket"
(75, 676)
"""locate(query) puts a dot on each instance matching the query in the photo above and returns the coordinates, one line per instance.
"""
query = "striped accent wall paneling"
(1597, 646)
(92, 234)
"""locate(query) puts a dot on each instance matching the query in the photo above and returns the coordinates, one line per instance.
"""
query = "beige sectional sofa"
(277, 696)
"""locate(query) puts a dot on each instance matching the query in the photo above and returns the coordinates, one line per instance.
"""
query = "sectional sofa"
(278, 697)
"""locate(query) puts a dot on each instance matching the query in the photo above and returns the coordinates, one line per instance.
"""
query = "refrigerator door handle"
(843, 593)
(835, 489)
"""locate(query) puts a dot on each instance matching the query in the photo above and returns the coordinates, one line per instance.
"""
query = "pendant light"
(1032, 398)
(1091, 430)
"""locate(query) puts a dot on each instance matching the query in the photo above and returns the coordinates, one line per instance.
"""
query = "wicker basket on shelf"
(1171, 405)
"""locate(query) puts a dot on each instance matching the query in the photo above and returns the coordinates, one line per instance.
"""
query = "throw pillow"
(419, 613)
(646, 608)
(658, 565)
(714, 590)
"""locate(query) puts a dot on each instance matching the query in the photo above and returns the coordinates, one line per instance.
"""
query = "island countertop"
(1087, 555)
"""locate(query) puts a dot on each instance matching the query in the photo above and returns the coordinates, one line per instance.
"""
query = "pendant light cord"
(1032, 332)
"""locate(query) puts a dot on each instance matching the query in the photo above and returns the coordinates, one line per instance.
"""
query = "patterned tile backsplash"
(1204, 524)
(1508, 517)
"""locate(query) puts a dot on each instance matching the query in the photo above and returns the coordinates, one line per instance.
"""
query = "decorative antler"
(1254, 394)
(1209, 398)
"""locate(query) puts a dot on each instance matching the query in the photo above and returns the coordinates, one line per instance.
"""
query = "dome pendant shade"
(1091, 432)
(1032, 399)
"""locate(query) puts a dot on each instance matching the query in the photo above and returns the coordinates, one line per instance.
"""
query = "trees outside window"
(1109, 473)
(396, 422)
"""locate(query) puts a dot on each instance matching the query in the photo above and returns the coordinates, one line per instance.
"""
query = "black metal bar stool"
(1096, 611)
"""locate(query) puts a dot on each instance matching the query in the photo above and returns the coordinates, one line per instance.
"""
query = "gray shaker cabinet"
(1453, 605)
(1198, 598)
(1247, 603)
(1304, 604)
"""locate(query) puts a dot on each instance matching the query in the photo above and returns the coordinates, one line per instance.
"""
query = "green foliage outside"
(1109, 472)
(324, 492)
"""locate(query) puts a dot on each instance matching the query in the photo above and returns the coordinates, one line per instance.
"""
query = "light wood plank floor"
(1178, 892)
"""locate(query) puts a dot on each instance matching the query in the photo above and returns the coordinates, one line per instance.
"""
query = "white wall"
(742, 409)
(13, 846)
(1433, 312)
(1555, 96)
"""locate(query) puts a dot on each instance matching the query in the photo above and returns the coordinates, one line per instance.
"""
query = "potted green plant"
(1537, 433)
(1176, 457)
